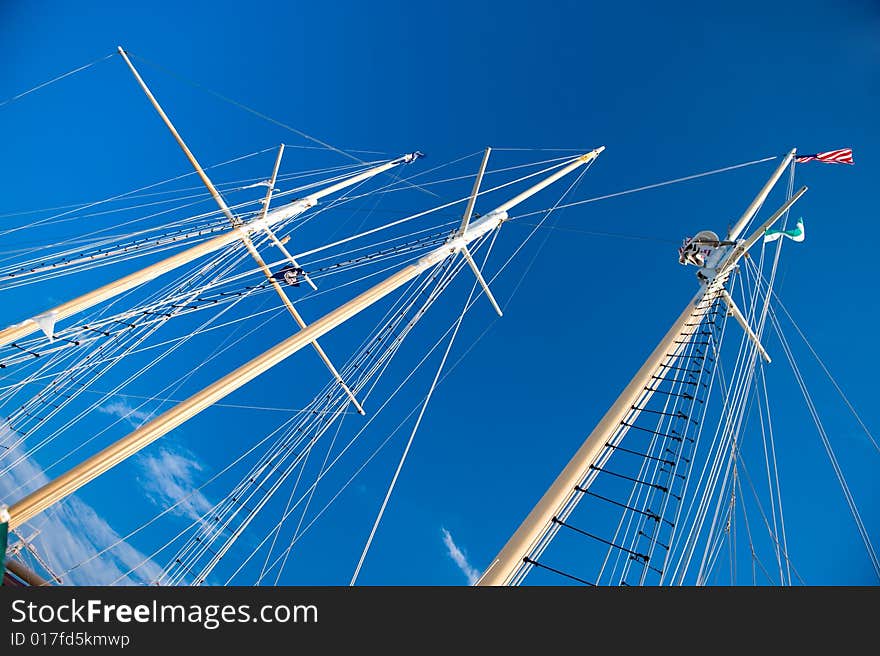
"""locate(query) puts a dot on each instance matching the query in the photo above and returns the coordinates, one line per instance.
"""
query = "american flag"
(842, 156)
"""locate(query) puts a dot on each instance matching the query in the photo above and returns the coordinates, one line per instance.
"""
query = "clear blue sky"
(670, 89)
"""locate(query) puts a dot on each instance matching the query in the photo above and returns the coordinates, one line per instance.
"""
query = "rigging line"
(184, 499)
(875, 562)
(244, 107)
(388, 188)
(822, 433)
(314, 485)
(388, 438)
(754, 554)
(29, 272)
(743, 377)
(219, 349)
(383, 404)
(114, 198)
(720, 507)
(382, 445)
(80, 246)
(522, 278)
(709, 473)
(470, 176)
(434, 294)
(237, 406)
(777, 252)
(428, 211)
(293, 488)
(439, 341)
(672, 415)
(546, 542)
(392, 347)
(85, 242)
(223, 186)
(825, 369)
(366, 259)
(655, 185)
(732, 431)
(768, 468)
(19, 267)
(775, 471)
(231, 299)
(102, 263)
(569, 509)
(407, 251)
(771, 469)
(179, 283)
(55, 79)
(101, 348)
(278, 527)
(412, 436)
(230, 508)
(443, 230)
(58, 431)
(551, 150)
(435, 168)
(350, 150)
(259, 114)
(760, 507)
(334, 203)
(532, 233)
(308, 502)
(679, 386)
(596, 233)
(62, 375)
(215, 301)
(717, 374)
(200, 198)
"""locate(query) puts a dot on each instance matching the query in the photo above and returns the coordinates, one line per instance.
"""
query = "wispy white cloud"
(123, 410)
(71, 533)
(169, 479)
(459, 558)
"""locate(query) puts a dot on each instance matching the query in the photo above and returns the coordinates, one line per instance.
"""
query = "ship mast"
(91, 468)
(536, 531)
(240, 231)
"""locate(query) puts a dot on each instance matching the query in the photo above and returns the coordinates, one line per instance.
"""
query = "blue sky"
(669, 90)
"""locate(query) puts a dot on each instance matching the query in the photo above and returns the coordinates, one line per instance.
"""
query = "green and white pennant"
(795, 234)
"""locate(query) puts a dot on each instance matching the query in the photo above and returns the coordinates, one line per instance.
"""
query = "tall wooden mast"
(75, 478)
(537, 529)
